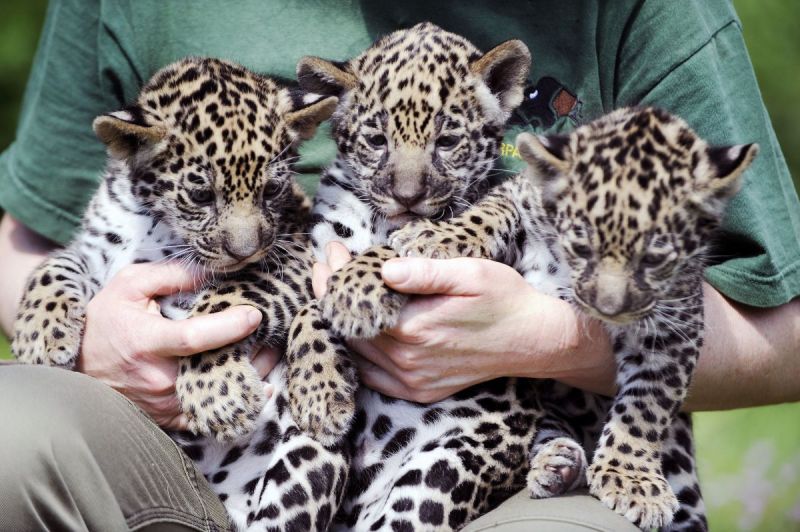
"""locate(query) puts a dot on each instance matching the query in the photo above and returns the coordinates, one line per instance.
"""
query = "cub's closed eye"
(272, 188)
(201, 196)
(447, 141)
(582, 250)
(376, 141)
(652, 259)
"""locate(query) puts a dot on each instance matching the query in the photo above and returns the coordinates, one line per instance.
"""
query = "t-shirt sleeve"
(51, 169)
(691, 59)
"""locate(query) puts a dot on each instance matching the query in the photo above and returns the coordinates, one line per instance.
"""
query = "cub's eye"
(581, 250)
(447, 141)
(272, 188)
(376, 141)
(201, 196)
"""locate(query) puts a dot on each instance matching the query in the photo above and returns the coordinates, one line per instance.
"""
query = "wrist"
(564, 345)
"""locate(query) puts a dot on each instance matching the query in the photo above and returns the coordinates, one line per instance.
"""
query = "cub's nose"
(409, 192)
(609, 306)
(242, 245)
(409, 198)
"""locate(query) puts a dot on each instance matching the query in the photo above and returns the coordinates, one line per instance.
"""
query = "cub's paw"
(438, 240)
(358, 304)
(557, 467)
(220, 393)
(46, 333)
(321, 379)
(323, 410)
(645, 499)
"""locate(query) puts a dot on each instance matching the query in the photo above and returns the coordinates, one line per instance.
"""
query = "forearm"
(749, 357)
(22, 251)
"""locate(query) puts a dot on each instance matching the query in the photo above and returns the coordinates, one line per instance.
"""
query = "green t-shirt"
(588, 57)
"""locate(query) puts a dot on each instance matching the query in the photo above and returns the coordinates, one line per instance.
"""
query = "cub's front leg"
(357, 303)
(219, 390)
(653, 373)
(322, 379)
(50, 320)
(484, 231)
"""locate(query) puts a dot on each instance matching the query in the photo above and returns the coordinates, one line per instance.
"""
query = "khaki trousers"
(75, 455)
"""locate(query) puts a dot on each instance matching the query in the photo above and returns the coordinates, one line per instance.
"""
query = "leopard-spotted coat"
(418, 130)
(200, 171)
(626, 207)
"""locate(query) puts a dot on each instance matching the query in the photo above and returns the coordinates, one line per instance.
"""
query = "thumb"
(187, 337)
(144, 281)
(457, 277)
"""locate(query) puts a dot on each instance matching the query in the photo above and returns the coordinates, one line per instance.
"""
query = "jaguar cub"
(418, 129)
(199, 170)
(627, 206)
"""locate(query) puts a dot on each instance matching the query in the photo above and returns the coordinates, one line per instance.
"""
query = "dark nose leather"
(243, 248)
(409, 198)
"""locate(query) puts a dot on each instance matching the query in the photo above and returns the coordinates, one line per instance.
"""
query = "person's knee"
(73, 444)
(44, 409)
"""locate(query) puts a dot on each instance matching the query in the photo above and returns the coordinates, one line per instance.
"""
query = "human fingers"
(153, 307)
(164, 409)
(143, 281)
(177, 422)
(338, 255)
(380, 380)
(319, 278)
(265, 360)
(460, 277)
(369, 350)
(163, 337)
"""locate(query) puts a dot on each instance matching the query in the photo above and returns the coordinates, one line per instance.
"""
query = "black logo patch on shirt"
(545, 102)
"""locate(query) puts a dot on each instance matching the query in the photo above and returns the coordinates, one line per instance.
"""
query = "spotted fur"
(200, 171)
(418, 128)
(623, 211)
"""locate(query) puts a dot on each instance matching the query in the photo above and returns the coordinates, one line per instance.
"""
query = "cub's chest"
(133, 239)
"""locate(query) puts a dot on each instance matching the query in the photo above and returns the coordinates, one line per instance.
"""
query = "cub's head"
(635, 197)
(208, 148)
(420, 115)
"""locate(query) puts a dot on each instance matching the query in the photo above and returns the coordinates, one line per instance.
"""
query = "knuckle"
(187, 339)
(479, 269)
(412, 330)
(157, 382)
(428, 271)
(419, 396)
(136, 357)
(406, 360)
(415, 382)
(428, 397)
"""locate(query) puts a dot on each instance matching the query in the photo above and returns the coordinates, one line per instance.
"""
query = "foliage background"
(749, 459)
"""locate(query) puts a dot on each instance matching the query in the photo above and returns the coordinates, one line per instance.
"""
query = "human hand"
(471, 321)
(128, 345)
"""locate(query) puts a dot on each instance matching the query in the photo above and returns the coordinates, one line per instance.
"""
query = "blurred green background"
(749, 459)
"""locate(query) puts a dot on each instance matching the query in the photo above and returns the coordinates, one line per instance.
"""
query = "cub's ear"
(726, 165)
(324, 77)
(504, 69)
(548, 157)
(309, 115)
(125, 132)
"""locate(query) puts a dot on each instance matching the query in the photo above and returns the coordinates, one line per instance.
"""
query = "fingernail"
(328, 250)
(253, 317)
(269, 389)
(395, 271)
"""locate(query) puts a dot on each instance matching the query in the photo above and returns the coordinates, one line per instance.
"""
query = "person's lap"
(77, 455)
(570, 513)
